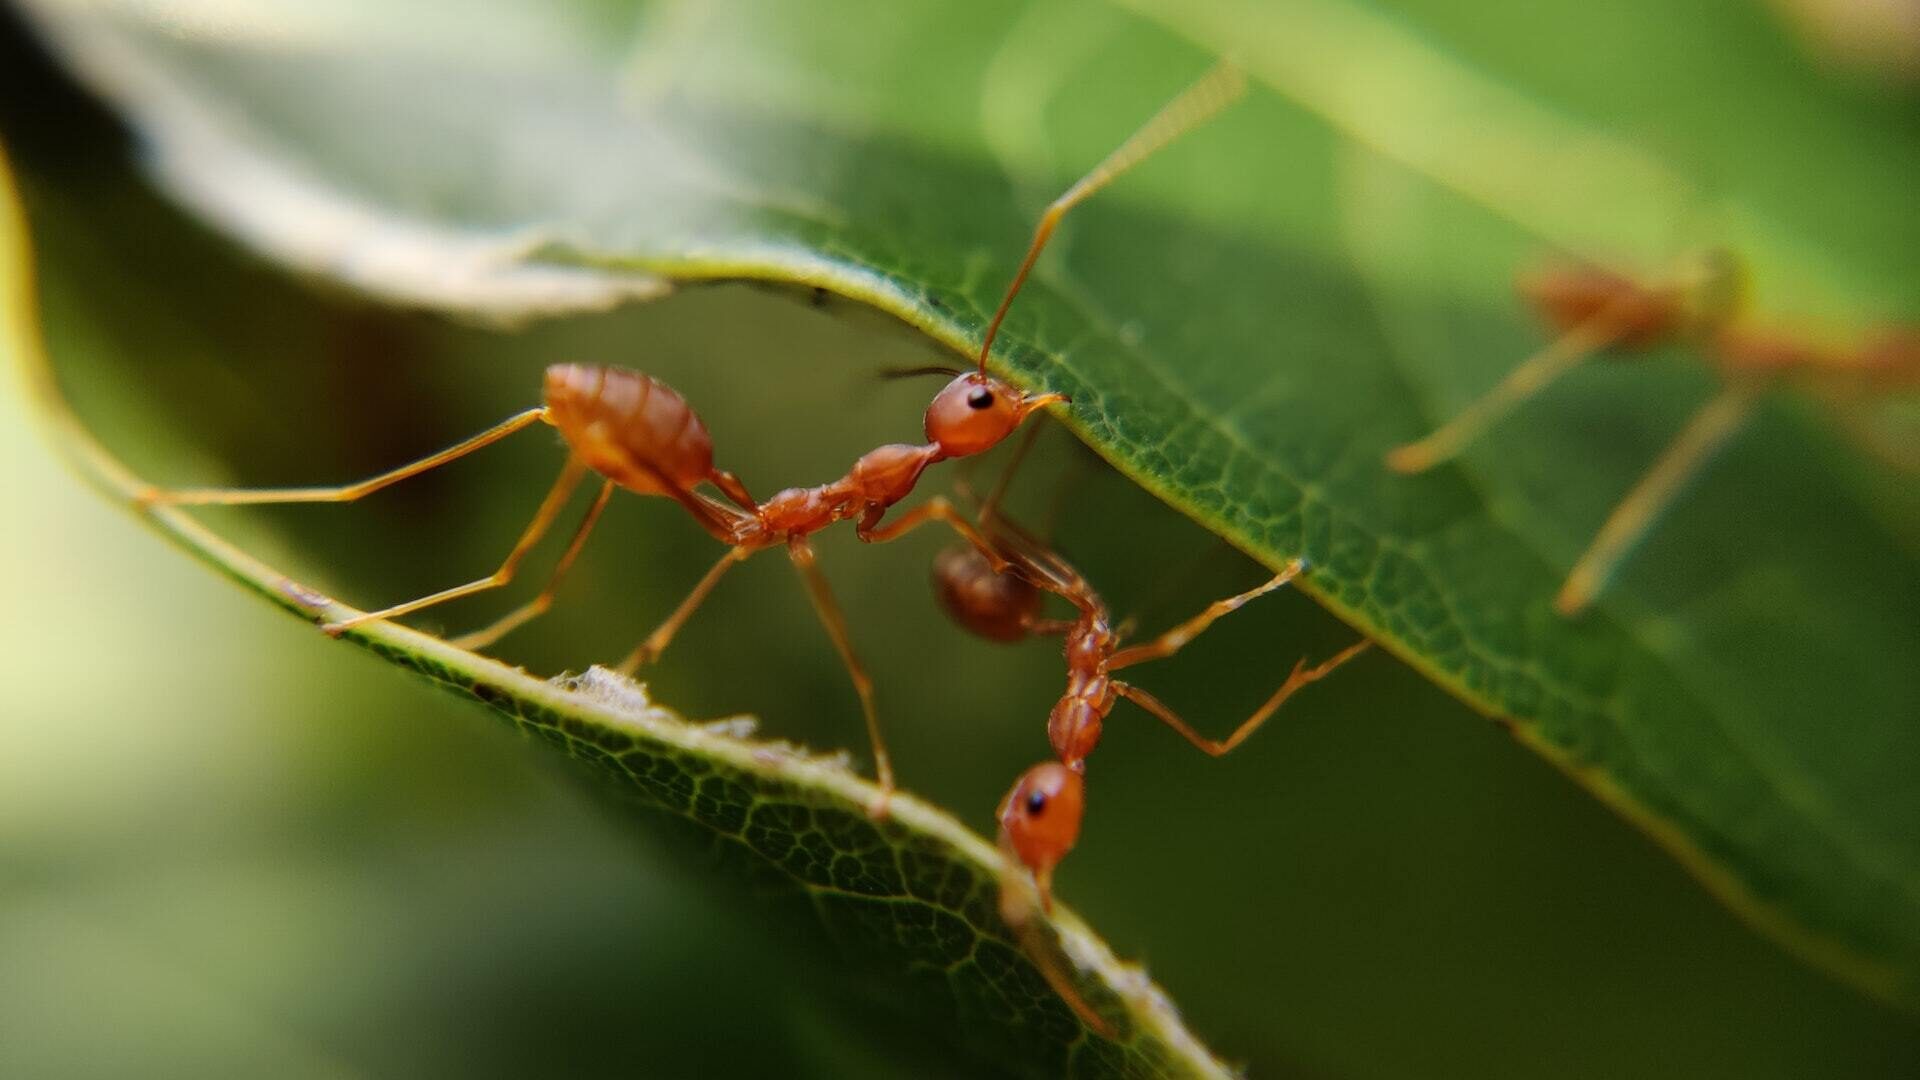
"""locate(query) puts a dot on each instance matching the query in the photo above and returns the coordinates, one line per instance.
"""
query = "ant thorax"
(1075, 725)
(881, 478)
(797, 510)
(887, 474)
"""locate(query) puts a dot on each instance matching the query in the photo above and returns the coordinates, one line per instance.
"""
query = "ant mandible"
(1593, 309)
(637, 433)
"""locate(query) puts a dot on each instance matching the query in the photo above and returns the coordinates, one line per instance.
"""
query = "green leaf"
(1245, 325)
(914, 895)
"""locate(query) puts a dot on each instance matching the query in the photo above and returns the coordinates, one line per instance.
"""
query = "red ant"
(1593, 309)
(1041, 814)
(639, 434)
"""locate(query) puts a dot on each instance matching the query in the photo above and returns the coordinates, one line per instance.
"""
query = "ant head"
(1040, 818)
(975, 411)
(1714, 286)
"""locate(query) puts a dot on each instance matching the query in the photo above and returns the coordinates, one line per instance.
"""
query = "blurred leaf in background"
(1373, 865)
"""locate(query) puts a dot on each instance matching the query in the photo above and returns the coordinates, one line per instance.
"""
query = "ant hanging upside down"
(637, 433)
(1001, 600)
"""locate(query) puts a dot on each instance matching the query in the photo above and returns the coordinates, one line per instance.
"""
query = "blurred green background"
(228, 846)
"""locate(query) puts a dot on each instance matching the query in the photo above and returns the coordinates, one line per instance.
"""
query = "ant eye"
(980, 398)
(1036, 802)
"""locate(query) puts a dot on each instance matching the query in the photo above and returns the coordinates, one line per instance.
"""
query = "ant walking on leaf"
(1595, 310)
(635, 432)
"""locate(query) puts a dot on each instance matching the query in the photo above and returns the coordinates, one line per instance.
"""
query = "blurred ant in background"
(1594, 310)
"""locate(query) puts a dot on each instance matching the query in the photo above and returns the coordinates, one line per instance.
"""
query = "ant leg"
(937, 508)
(1300, 676)
(1532, 375)
(570, 476)
(1219, 87)
(732, 488)
(1170, 642)
(1077, 466)
(656, 643)
(822, 596)
(990, 506)
(345, 492)
(513, 620)
(1716, 422)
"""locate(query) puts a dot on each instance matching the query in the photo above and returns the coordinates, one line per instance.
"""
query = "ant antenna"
(989, 507)
(1213, 91)
(914, 372)
(1019, 899)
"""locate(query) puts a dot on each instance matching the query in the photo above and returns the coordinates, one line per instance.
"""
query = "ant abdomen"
(630, 427)
(1569, 297)
(995, 606)
(1892, 357)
